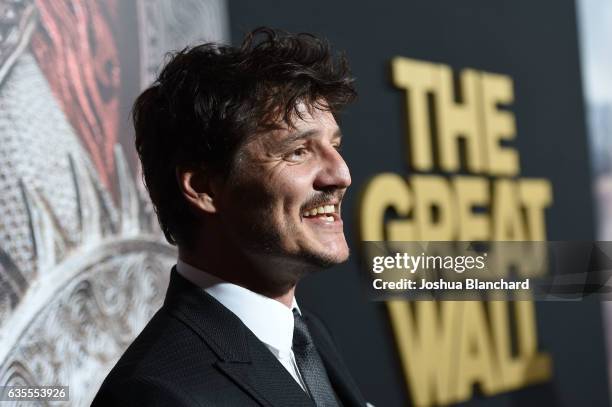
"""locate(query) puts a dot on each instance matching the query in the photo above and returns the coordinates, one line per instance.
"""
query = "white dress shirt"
(268, 319)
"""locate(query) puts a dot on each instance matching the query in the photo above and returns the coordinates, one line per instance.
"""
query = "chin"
(341, 256)
(327, 258)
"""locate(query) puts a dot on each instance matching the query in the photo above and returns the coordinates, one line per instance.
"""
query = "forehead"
(311, 115)
(309, 122)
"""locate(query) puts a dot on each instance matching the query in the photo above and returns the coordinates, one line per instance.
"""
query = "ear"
(197, 189)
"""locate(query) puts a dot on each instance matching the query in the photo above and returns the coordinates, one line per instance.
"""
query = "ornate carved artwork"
(83, 265)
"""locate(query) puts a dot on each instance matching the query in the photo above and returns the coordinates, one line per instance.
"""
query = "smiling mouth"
(326, 212)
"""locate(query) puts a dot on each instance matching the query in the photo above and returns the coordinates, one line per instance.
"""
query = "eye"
(337, 146)
(297, 154)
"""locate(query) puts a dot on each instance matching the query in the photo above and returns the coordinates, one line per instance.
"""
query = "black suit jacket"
(195, 352)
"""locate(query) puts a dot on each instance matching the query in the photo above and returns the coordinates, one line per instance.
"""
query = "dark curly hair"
(209, 98)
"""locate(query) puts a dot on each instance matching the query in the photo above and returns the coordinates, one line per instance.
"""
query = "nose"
(334, 172)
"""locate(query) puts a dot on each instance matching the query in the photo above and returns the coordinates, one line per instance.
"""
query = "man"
(240, 154)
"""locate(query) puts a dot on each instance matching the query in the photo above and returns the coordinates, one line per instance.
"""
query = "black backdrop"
(535, 42)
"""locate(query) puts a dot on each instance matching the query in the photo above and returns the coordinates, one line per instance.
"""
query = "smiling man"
(240, 153)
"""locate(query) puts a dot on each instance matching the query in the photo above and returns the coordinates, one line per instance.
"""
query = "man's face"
(284, 196)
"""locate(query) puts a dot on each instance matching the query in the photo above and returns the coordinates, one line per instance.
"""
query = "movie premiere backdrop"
(473, 107)
(82, 263)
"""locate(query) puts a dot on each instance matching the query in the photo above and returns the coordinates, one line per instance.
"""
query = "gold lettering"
(434, 214)
(460, 121)
(471, 192)
(536, 195)
(507, 219)
(382, 192)
(528, 366)
(475, 353)
(499, 124)
(425, 343)
(417, 78)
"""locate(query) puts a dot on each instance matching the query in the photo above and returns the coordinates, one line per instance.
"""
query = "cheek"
(291, 201)
(293, 192)
(275, 192)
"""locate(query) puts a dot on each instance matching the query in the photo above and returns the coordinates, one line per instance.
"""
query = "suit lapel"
(266, 379)
(242, 357)
(339, 376)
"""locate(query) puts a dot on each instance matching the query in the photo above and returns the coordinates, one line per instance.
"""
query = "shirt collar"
(268, 319)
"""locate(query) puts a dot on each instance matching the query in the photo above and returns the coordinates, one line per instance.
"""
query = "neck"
(233, 269)
(287, 298)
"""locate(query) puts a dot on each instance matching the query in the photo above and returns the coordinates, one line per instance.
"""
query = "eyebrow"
(307, 134)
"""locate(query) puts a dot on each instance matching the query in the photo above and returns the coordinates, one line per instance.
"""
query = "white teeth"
(321, 210)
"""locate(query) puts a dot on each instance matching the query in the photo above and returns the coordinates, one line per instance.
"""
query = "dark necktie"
(310, 364)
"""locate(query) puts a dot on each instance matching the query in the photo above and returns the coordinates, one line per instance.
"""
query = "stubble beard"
(295, 265)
